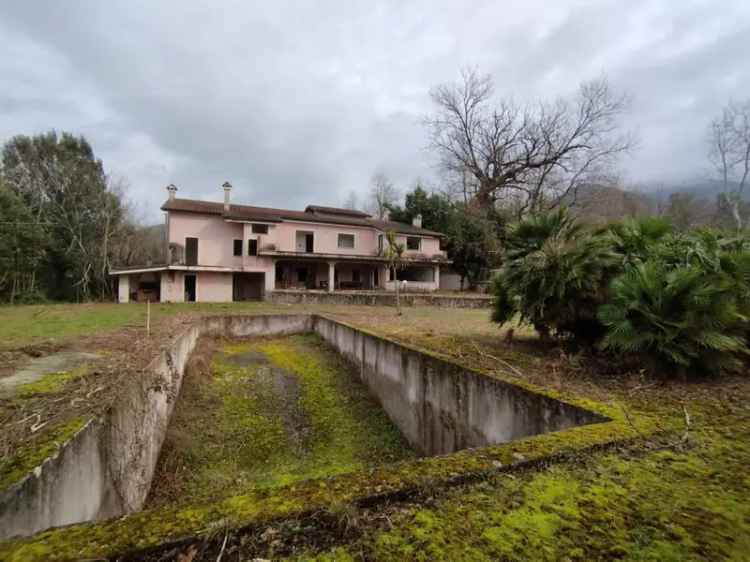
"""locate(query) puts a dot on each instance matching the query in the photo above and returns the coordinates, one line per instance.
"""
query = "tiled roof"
(266, 214)
(317, 209)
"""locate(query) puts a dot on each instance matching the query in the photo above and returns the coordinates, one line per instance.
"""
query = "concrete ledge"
(438, 404)
(105, 469)
(378, 299)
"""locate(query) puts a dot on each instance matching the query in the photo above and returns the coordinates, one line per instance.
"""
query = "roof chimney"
(172, 190)
(227, 190)
(417, 221)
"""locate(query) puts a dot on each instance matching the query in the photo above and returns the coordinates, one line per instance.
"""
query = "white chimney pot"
(172, 190)
(227, 191)
(417, 221)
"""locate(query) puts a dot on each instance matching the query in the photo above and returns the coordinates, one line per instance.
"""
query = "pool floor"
(268, 412)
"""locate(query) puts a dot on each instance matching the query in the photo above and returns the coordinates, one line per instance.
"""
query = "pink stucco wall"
(216, 250)
(216, 236)
(214, 287)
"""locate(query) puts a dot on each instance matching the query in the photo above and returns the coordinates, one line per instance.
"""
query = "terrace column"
(331, 275)
(271, 277)
(436, 280)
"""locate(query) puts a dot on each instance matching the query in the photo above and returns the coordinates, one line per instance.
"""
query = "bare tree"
(729, 140)
(352, 201)
(383, 195)
(533, 155)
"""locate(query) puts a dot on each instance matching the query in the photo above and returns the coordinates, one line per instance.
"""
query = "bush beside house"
(675, 302)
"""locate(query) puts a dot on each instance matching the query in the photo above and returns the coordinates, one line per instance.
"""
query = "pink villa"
(222, 252)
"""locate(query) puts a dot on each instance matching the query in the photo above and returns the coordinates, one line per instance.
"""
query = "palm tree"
(554, 275)
(394, 253)
(684, 317)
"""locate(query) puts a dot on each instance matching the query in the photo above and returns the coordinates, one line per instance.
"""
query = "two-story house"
(221, 252)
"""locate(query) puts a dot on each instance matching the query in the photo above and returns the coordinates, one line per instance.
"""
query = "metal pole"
(148, 317)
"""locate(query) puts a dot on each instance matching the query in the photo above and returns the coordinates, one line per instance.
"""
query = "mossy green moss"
(676, 503)
(50, 383)
(258, 506)
(273, 412)
(25, 459)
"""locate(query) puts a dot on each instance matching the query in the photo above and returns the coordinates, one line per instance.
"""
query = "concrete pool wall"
(440, 406)
(106, 469)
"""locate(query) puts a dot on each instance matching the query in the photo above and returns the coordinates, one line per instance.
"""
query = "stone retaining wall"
(379, 299)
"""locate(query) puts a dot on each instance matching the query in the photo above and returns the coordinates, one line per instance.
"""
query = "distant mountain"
(700, 188)
(601, 204)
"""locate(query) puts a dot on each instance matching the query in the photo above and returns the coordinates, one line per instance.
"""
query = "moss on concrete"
(669, 504)
(273, 412)
(373, 486)
(13, 468)
(50, 383)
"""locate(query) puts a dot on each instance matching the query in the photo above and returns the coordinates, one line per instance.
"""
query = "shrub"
(683, 316)
(554, 274)
(635, 239)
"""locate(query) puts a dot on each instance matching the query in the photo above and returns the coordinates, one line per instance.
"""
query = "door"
(309, 243)
(191, 251)
(190, 288)
(248, 286)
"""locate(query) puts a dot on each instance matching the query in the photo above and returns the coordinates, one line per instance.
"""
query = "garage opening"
(145, 287)
(248, 286)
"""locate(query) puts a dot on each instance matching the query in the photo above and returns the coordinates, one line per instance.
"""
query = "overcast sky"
(301, 102)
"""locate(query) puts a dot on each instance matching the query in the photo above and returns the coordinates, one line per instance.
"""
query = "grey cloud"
(297, 103)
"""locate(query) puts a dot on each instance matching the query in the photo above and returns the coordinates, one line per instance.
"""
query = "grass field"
(23, 325)
(684, 496)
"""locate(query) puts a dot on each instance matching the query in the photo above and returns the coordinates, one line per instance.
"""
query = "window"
(346, 240)
(413, 242)
(380, 243)
(252, 247)
(305, 241)
(191, 251)
(260, 229)
(238, 247)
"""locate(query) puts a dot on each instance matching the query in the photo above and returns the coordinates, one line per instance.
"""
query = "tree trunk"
(398, 296)
(736, 213)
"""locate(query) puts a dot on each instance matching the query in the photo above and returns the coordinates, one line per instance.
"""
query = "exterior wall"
(450, 280)
(213, 287)
(215, 237)
(428, 246)
(172, 286)
(210, 286)
(325, 239)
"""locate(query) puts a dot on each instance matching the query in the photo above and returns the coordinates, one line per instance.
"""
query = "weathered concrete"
(46, 365)
(442, 407)
(106, 469)
(378, 299)
(67, 488)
